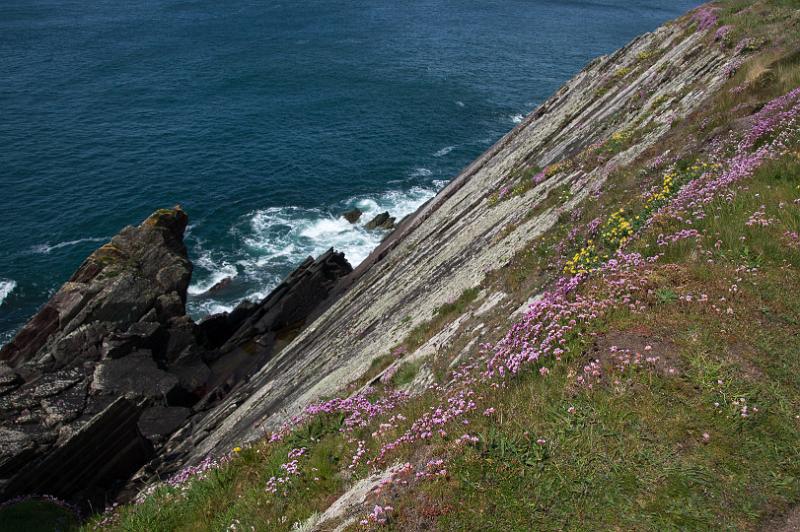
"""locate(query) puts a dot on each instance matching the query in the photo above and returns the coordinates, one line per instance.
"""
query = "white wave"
(47, 248)
(6, 287)
(444, 151)
(421, 172)
(219, 272)
(517, 118)
(287, 235)
(273, 241)
(460, 103)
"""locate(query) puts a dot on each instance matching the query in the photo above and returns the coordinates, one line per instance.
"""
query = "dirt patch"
(785, 523)
(742, 354)
(616, 354)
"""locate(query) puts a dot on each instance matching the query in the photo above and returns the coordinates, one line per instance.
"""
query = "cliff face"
(475, 225)
(593, 327)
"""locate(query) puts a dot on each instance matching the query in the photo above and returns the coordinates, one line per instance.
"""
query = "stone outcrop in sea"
(111, 366)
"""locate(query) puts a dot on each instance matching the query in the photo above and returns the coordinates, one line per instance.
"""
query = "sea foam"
(47, 248)
(273, 241)
(6, 287)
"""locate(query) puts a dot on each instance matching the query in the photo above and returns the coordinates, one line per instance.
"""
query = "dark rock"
(87, 347)
(136, 375)
(215, 330)
(118, 283)
(381, 221)
(279, 316)
(220, 286)
(87, 465)
(192, 372)
(180, 335)
(115, 341)
(353, 215)
(170, 306)
(8, 376)
(158, 422)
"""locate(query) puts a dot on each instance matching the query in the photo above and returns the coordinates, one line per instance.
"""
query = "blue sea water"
(263, 119)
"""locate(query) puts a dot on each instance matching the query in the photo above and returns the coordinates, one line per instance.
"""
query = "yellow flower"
(237, 449)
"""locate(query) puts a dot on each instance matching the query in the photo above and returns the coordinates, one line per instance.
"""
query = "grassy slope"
(642, 445)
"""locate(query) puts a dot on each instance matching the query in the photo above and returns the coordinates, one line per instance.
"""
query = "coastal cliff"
(592, 326)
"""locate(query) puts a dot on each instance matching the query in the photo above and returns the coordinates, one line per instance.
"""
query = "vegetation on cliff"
(652, 384)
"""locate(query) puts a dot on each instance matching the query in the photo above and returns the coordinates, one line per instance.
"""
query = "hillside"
(594, 326)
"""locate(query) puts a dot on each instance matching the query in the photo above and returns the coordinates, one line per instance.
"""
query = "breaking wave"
(270, 242)
(6, 287)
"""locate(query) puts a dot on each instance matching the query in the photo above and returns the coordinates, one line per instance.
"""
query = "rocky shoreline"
(68, 380)
(111, 366)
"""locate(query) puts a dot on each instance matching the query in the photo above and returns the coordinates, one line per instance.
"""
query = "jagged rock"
(170, 306)
(192, 372)
(215, 330)
(118, 283)
(140, 335)
(89, 345)
(119, 329)
(180, 335)
(8, 376)
(89, 462)
(352, 215)
(381, 221)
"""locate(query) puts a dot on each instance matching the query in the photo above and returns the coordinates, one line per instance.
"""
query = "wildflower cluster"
(619, 361)
(617, 230)
(705, 18)
(673, 180)
(358, 408)
(291, 469)
(722, 32)
(553, 169)
(614, 233)
(585, 260)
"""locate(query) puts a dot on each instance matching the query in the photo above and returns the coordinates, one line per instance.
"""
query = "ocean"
(264, 119)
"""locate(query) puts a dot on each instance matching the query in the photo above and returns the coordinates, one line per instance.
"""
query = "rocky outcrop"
(382, 221)
(103, 337)
(111, 366)
(248, 336)
(353, 215)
